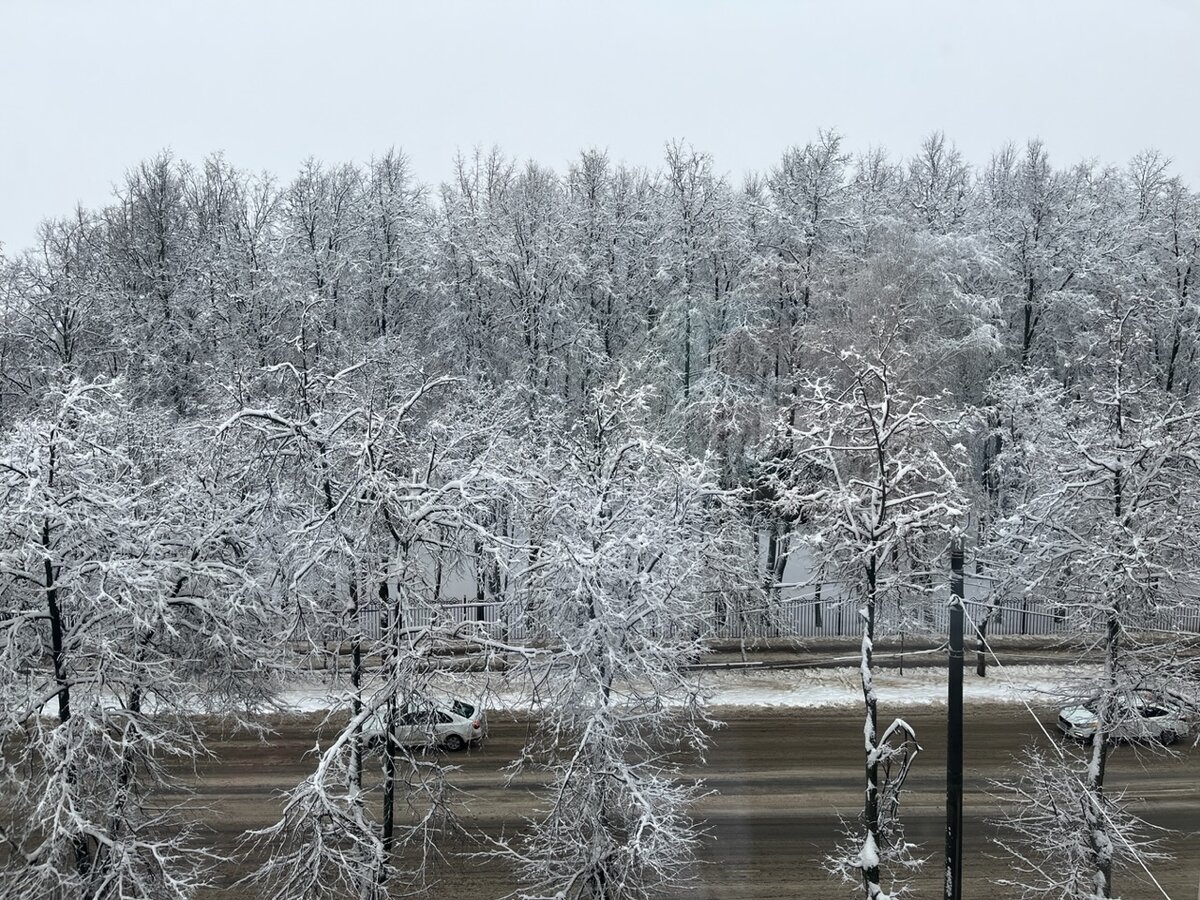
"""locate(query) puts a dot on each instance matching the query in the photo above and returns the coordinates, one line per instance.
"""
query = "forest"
(245, 421)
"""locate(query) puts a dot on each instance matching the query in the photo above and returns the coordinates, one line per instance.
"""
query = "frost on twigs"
(327, 842)
(1104, 478)
(130, 602)
(1052, 823)
(629, 536)
(867, 464)
(383, 496)
(864, 852)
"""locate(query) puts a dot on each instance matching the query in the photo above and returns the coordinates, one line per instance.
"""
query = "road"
(782, 780)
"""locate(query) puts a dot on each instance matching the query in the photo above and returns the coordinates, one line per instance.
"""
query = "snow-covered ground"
(790, 688)
(783, 688)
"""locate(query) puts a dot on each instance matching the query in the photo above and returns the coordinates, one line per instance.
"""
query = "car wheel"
(453, 743)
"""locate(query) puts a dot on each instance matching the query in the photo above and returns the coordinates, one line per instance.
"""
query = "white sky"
(88, 89)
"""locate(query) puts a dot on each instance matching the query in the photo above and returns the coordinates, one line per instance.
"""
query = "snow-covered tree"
(808, 191)
(624, 535)
(394, 236)
(869, 473)
(938, 184)
(1052, 855)
(1109, 478)
(130, 604)
(382, 475)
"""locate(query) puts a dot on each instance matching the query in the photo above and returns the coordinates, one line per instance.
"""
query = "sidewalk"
(791, 653)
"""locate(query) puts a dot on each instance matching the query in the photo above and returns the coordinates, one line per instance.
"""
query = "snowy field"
(779, 688)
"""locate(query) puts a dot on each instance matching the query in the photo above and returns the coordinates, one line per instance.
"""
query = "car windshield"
(466, 710)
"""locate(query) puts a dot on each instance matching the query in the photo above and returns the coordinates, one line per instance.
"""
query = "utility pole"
(954, 727)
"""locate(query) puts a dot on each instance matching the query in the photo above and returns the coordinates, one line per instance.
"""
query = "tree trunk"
(769, 569)
(1099, 834)
(83, 855)
(687, 350)
(870, 867)
(356, 704)
(981, 644)
(1030, 322)
(393, 639)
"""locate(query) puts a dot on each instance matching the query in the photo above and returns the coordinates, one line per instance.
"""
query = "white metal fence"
(744, 620)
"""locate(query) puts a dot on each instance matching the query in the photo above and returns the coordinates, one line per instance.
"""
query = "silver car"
(452, 724)
(1142, 718)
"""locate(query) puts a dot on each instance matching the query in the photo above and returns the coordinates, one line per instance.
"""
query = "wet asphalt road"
(782, 780)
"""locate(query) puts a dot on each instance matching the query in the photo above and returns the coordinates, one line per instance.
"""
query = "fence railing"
(734, 620)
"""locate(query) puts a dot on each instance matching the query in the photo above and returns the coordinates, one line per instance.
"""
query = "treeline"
(722, 296)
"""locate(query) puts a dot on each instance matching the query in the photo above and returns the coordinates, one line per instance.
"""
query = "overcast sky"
(88, 89)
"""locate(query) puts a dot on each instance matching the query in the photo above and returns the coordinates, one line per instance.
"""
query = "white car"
(452, 724)
(1143, 718)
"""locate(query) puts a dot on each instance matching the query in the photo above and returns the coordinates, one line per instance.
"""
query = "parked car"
(451, 724)
(1144, 717)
